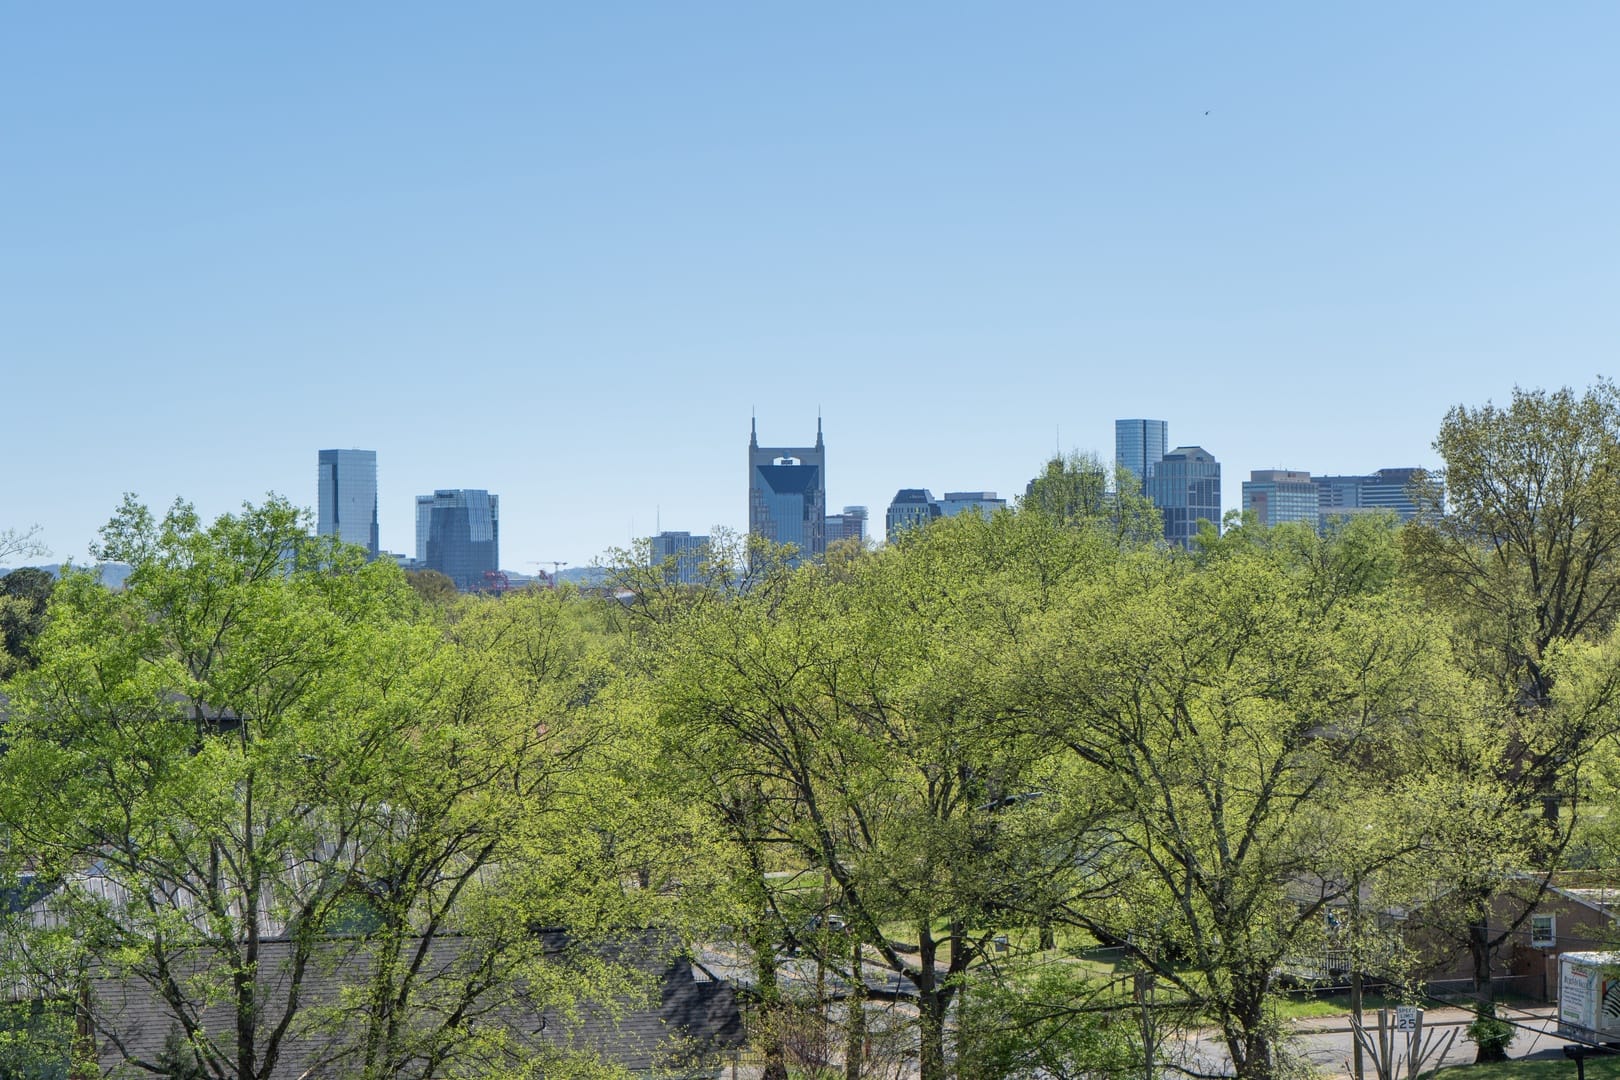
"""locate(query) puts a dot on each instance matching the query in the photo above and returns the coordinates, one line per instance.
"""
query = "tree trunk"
(1249, 1036)
(83, 1065)
(770, 1001)
(382, 1023)
(930, 1009)
(931, 1021)
(1356, 1072)
(1479, 950)
(1258, 1061)
(855, 1024)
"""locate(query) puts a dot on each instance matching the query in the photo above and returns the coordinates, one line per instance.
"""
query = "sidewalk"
(1445, 1016)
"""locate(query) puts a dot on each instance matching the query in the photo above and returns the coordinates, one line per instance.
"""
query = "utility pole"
(1355, 975)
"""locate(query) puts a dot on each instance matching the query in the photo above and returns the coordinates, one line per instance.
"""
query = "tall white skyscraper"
(347, 507)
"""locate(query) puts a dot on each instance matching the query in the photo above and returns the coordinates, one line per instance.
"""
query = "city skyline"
(563, 254)
(416, 549)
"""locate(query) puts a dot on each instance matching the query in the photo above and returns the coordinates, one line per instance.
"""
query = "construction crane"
(555, 564)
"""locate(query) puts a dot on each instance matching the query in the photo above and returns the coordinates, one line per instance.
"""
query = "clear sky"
(561, 251)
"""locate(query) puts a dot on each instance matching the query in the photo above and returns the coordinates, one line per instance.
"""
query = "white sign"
(1406, 1017)
(1576, 996)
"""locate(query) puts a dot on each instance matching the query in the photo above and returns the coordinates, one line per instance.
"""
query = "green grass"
(1597, 1068)
(1307, 1006)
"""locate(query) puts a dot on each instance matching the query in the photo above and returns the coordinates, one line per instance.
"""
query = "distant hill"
(112, 573)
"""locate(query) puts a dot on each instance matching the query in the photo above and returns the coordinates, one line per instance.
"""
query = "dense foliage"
(1018, 795)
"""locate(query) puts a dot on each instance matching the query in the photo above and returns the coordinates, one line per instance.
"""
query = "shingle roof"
(685, 1024)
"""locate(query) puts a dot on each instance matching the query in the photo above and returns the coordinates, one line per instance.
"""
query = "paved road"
(1326, 1042)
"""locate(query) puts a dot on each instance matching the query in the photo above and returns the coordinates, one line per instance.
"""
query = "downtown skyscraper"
(787, 494)
(1185, 484)
(1139, 445)
(346, 505)
(458, 532)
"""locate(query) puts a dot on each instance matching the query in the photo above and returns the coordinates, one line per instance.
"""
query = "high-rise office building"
(787, 494)
(1139, 445)
(984, 503)
(1386, 489)
(1279, 495)
(686, 551)
(347, 496)
(849, 525)
(1185, 485)
(424, 522)
(459, 535)
(910, 508)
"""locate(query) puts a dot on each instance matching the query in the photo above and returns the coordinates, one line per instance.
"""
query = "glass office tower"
(787, 494)
(1186, 487)
(910, 508)
(850, 525)
(1386, 489)
(984, 503)
(1139, 444)
(680, 554)
(462, 537)
(347, 492)
(1279, 495)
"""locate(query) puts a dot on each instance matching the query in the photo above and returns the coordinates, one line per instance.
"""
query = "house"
(648, 1009)
(1578, 911)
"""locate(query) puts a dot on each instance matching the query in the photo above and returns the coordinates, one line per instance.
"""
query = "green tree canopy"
(265, 763)
(1234, 716)
(1079, 490)
(24, 595)
(1528, 550)
(1521, 547)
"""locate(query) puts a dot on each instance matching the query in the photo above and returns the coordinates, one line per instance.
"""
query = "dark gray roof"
(686, 1022)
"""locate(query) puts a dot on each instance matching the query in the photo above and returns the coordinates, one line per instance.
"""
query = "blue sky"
(562, 251)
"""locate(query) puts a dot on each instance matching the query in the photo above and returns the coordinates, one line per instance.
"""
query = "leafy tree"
(495, 824)
(1079, 490)
(850, 723)
(1236, 715)
(1529, 554)
(23, 597)
(20, 543)
(37, 1040)
(691, 779)
(433, 587)
(1527, 563)
(260, 763)
(1056, 1024)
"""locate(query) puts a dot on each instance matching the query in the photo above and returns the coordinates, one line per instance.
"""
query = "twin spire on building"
(753, 431)
(787, 492)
